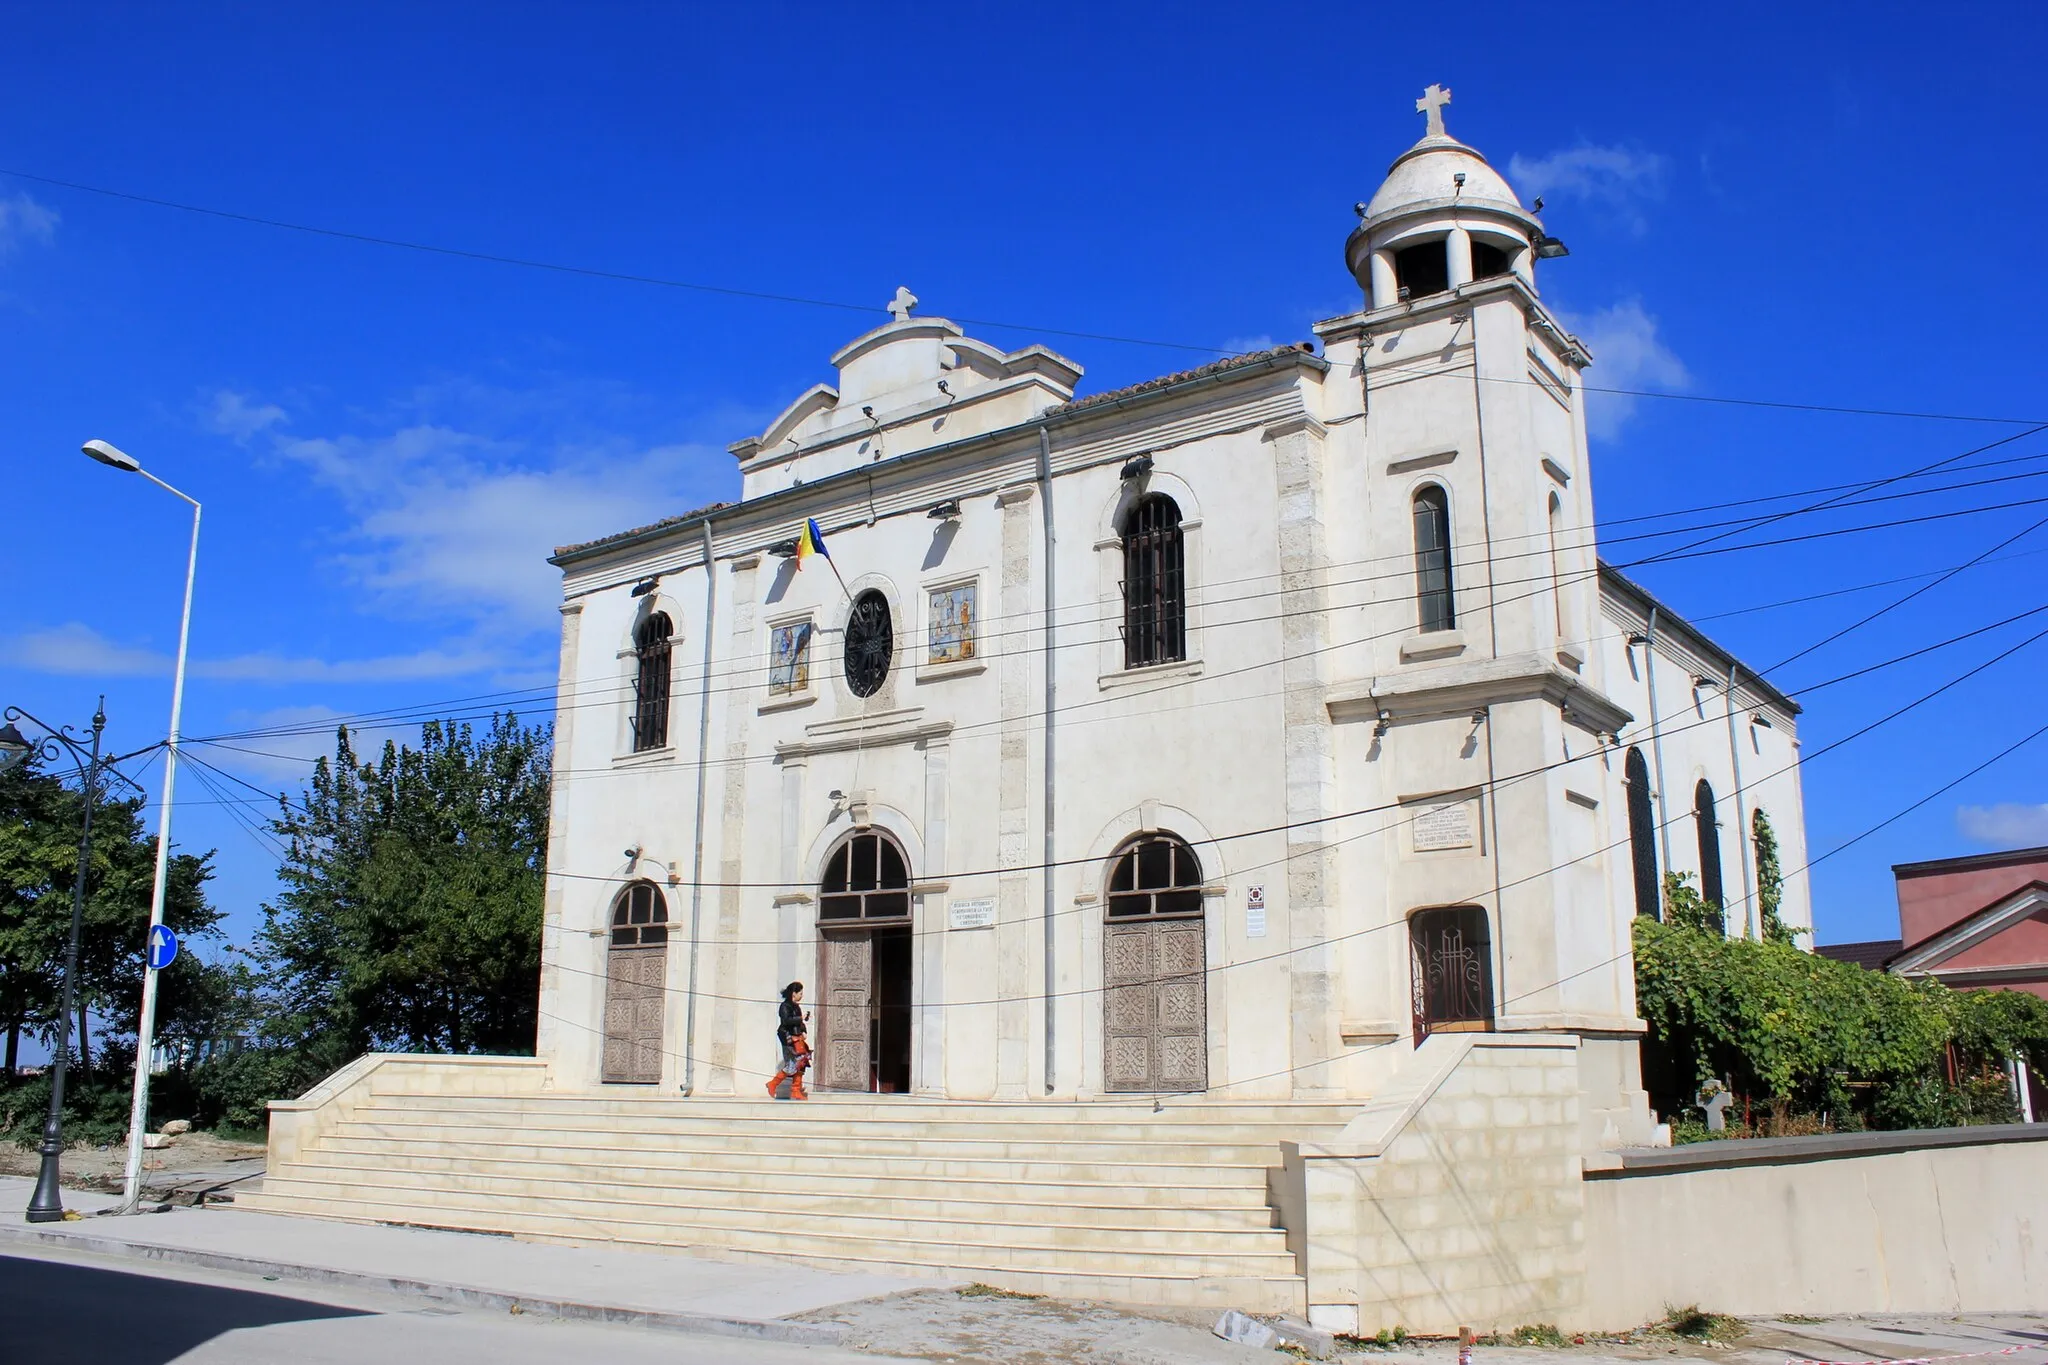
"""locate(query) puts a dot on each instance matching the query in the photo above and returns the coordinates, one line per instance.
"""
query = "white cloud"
(77, 650)
(1248, 345)
(451, 522)
(22, 219)
(2009, 824)
(1627, 354)
(1618, 179)
(232, 414)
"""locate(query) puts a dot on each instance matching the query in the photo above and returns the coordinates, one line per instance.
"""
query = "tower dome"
(1442, 218)
(1427, 173)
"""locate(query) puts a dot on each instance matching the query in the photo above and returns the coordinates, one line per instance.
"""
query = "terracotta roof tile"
(706, 510)
(1168, 380)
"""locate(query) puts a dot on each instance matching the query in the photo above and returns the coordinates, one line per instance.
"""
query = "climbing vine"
(1770, 881)
(1797, 1033)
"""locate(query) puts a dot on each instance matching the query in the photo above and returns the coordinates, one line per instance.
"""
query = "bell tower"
(1479, 663)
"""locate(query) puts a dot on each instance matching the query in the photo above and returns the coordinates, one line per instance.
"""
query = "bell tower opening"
(1489, 260)
(1423, 269)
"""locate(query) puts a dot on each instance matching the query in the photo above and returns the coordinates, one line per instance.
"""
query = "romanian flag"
(810, 542)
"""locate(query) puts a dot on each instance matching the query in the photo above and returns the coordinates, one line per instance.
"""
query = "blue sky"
(1814, 204)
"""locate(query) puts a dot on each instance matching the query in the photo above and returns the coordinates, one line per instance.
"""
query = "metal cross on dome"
(1432, 104)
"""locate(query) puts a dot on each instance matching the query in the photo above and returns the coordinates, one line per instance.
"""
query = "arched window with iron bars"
(651, 648)
(1642, 835)
(1155, 583)
(1707, 822)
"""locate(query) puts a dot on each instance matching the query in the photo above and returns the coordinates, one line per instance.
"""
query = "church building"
(1263, 744)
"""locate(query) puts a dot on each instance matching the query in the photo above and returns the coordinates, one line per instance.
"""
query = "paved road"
(68, 1308)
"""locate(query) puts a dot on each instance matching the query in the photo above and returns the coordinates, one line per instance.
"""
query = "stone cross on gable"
(900, 306)
(1432, 104)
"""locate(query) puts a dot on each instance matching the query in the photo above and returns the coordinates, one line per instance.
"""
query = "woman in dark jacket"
(796, 1048)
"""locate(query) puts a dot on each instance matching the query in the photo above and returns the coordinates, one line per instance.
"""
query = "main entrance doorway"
(865, 939)
(1155, 1011)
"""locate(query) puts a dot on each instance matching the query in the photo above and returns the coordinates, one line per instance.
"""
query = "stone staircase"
(1096, 1200)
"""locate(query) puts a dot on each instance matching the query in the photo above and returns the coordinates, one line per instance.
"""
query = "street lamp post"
(47, 1204)
(138, 1113)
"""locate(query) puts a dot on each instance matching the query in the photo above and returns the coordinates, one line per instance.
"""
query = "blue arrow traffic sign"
(163, 947)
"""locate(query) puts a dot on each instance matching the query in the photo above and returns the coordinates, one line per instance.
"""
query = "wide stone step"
(788, 1119)
(1035, 1162)
(1201, 1113)
(800, 1146)
(939, 1200)
(543, 1165)
(956, 1249)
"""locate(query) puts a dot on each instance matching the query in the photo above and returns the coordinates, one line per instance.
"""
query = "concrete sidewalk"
(600, 1282)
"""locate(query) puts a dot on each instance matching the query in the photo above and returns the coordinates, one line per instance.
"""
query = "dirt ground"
(966, 1329)
(192, 1161)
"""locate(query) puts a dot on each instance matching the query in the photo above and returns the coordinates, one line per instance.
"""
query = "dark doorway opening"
(889, 1059)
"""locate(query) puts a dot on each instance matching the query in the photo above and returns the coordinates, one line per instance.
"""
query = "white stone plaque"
(1446, 826)
(974, 914)
(1255, 912)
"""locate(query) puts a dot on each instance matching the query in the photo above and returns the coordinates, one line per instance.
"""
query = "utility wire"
(1390, 806)
(1544, 582)
(626, 277)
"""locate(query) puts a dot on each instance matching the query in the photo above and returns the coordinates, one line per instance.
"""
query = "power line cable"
(1544, 583)
(626, 277)
(1391, 806)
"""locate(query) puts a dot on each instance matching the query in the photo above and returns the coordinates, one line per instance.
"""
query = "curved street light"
(131, 1190)
(46, 1205)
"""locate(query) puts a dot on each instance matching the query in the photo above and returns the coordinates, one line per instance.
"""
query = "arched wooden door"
(636, 981)
(1155, 960)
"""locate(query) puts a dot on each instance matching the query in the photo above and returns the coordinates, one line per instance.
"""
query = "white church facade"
(1225, 734)
(1208, 818)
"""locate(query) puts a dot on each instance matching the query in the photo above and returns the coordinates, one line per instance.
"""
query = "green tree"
(410, 918)
(40, 818)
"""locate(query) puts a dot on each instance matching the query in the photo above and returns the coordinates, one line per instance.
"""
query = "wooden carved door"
(636, 980)
(1156, 1006)
(849, 999)
(632, 1014)
(1155, 963)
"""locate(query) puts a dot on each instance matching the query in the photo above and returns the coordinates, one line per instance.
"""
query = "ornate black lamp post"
(47, 1205)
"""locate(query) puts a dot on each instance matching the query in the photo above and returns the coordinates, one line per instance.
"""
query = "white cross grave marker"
(900, 306)
(1432, 104)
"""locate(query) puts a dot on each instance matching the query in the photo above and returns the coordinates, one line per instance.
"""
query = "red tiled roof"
(1236, 362)
(706, 510)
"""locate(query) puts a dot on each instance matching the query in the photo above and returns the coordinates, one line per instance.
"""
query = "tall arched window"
(650, 682)
(1709, 826)
(1642, 834)
(1155, 583)
(1433, 559)
(1556, 568)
